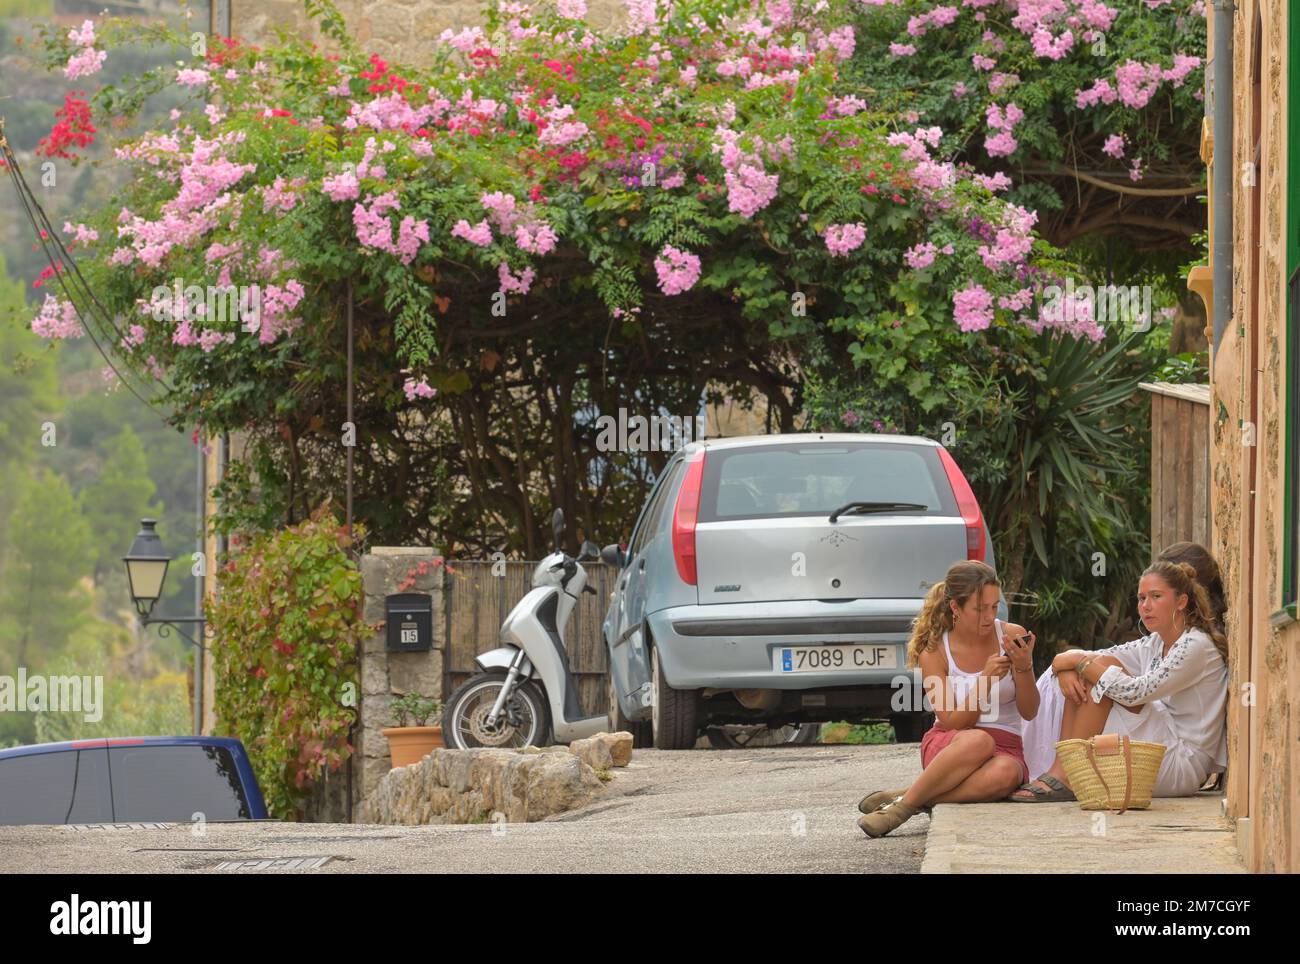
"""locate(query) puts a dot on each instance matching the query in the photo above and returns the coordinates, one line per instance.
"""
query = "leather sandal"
(1059, 793)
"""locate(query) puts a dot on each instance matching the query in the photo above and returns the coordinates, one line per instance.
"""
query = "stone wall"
(497, 785)
(385, 675)
(1264, 742)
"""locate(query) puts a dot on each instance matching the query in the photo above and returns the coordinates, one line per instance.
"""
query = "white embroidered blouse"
(1191, 681)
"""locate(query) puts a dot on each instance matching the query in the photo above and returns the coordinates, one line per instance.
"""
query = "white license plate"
(835, 657)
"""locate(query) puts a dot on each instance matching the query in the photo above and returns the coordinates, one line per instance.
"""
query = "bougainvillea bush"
(654, 202)
(1088, 112)
(288, 620)
(542, 223)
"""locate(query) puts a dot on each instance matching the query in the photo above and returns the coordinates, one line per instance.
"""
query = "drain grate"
(82, 827)
(253, 864)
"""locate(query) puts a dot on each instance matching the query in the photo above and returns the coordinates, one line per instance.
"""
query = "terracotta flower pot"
(411, 744)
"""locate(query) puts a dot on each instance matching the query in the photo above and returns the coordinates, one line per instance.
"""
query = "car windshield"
(818, 478)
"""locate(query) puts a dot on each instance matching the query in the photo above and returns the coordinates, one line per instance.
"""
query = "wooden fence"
(477, 601)
(1180, 464)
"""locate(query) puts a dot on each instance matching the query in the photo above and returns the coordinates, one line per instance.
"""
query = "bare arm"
(1022, 671)
(938, 688)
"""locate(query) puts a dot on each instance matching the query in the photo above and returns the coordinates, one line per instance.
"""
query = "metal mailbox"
(410, 622)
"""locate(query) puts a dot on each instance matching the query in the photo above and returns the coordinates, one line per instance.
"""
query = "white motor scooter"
(525, 694)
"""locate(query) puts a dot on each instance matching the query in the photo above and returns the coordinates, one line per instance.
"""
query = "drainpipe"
(1223, 168)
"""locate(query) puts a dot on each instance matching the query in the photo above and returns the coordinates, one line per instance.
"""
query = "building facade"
(1254, 421)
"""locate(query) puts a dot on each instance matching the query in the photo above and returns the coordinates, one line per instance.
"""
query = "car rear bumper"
(739, 646)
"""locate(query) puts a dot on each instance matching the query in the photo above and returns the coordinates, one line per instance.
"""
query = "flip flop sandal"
(1059, 793)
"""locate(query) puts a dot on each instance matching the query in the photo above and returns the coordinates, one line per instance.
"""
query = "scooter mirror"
(613, 555)
(589, 551)
(557, 526)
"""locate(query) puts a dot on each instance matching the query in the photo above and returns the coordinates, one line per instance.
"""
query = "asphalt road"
(783, 810)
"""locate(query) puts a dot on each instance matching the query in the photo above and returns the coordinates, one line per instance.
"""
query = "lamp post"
(146, 568)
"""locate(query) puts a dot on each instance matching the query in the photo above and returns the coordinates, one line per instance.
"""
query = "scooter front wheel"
(523, 721)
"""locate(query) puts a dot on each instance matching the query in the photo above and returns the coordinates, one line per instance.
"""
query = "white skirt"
(1041, 733)
(1182, 771)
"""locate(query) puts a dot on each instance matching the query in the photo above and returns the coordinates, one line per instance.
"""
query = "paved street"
(762, 810)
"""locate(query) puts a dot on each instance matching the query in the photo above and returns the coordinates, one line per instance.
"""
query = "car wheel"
(672, 711)
(640, 729)
(739, 736)
(911, 727)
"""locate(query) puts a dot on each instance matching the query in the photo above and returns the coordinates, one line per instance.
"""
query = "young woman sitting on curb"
(1168, 687)
(978, 675)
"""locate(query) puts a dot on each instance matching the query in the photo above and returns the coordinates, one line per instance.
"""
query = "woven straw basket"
(1110, 772)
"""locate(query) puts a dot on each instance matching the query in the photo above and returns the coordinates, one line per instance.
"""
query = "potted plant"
(410, 744)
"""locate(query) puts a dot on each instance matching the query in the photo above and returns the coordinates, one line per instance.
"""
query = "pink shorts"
(1005, 743)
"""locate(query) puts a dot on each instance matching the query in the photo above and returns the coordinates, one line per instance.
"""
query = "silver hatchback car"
(773, 580)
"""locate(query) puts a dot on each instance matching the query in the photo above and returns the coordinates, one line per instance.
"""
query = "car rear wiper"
(874, 507)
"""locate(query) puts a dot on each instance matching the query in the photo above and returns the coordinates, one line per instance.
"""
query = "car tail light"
(685, 516)
(966, 505)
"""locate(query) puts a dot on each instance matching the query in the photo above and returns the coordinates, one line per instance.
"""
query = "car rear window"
(816, 478)
(67, 786)
(172, 783)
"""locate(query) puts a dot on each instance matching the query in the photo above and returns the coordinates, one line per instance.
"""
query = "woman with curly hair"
(1168, 687)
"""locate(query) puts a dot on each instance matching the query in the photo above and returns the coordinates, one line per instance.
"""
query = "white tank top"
(1002, 692)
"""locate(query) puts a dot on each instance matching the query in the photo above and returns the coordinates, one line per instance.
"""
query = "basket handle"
(1112, 743)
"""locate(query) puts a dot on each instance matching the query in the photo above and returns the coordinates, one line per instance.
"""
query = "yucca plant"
(1054, 440)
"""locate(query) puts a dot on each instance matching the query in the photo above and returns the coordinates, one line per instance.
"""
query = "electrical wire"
(32, 208)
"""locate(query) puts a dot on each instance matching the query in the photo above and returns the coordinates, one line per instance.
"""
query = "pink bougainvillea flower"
(84, 62)
(973, 308)
(511, 284)
(420, 389)
(677, 270)
(480, 234)
(920, 256)
(843, 238)
(57, 319)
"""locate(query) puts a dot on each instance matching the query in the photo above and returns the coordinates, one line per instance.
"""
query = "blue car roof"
(91, 744)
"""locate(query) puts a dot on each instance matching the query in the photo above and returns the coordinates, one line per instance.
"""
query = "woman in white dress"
(1168, 687)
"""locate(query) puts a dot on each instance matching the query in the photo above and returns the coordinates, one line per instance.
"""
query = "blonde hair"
(1201, 613)
(935, 618)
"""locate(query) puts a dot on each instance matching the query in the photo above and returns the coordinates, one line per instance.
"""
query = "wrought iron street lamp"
(146, 568)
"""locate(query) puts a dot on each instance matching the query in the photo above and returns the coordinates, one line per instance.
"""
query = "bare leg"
(1081, 721)
(993, 781)
(968, 751)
